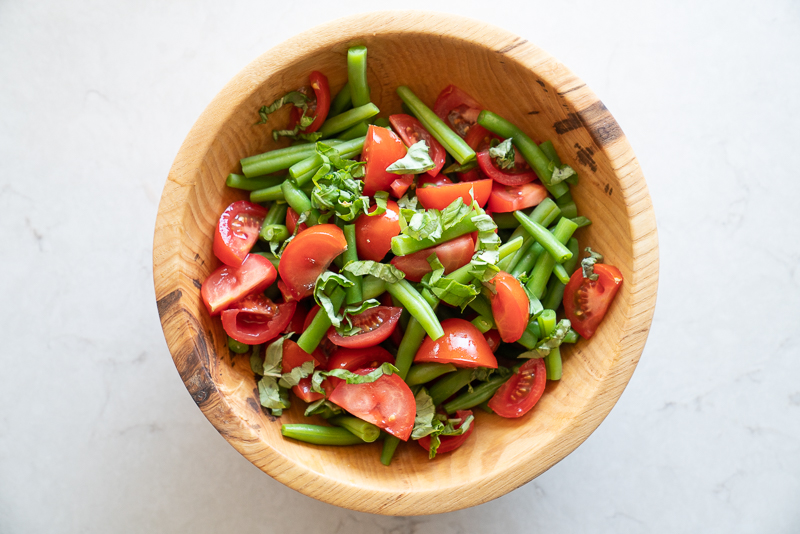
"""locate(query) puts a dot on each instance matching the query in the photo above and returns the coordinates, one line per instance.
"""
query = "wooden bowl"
(425, 51)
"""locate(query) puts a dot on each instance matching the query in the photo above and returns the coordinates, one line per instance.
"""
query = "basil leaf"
(416, 160)
(273, 358)
(292, 378)
(503, 154)
(425, 422)
(256, 360)
(554, 340)
(336, 188)
(385, 271)
(446, 289)
(456, 212)
(581, 221)
(272, 396)
(349, 311)
(407, 203)
(457, 167)
(326, 283)
(298, 99)
(587, 264)
(350, 377)
(423, 224)
(323, 408)
(560, 172)
(483, 265)
(381, 200)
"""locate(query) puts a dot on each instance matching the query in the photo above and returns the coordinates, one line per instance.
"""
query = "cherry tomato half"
(256, 319)
(505, 198)
(586, 301)
(441, 196)
(291, 221)
(237, 231)
(478, 138)
(457, 109)
(374, 233)
(294, 356)
(462, 344)
(376, 324)
(450, 443)
(387, 403)
(515, 177)
(354, 359)
(318, 107)
(381, 149)
(453, 254)
(228, 284)
(411, 131)
(401, 185)
(509, 306)
(522, 391)
(426, 180)
(308, 255)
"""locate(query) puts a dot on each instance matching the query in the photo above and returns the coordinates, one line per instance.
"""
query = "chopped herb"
(417, 160)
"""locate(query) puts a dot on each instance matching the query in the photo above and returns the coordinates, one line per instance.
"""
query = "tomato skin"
(228, 284)
(450, 443)
(510, 306)
(237, 231)
(463, 345)
(354, 359)
(440, 197)
(294, 356)
(385, 317)
(253, 321)
(506, 198)
(586, 301)
(298, 319)
(453, 254)
(457, 109)
(308, 255)
(387, 403)
(522, 391)
(412, 131)
(381, 149)
(319, 82)
(401, 185)
(374, 233)
(426, 180)
(493, 339)
(489, 168)
(291, 221)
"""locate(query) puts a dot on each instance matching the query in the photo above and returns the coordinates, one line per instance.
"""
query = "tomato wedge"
(354, 359)
(374, 233)
(441, 196)
(516, 177)
(450, 443)
(228, 284)
(522, 391)
(401, 185)
(256, 319)
(237, 231)
(457, 109)
(387, 403)
(381, 149)
(493, 339)
(318, 107)
(376, 324)
(505, 198)
(453, 254)
(291, 221)
(462, 344)
(294, 356)
(586, 301)
(509, 307)
(412, 131)
(308, 255)
(298, 319)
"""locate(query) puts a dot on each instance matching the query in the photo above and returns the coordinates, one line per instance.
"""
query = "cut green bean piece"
(505, 220)
(402, 245)
(237, 181)
(482, 306)
(299, 201)
(552, 364)
(546, 212)
(417, 306)
(422, 373)
(346, 149)
(545, 262)
(276, 213)
(550, 151)
(365, 431)
(359, 130)
(482, 324)
(561, 273)
(310, 339)
(449, 384)
(383, 122)
(390, 444)
(451, 141)
(341, 102)
(357, 75)
(278, 160)
(541, 234)
(478, 395)
(571, 337)
(353, 293)
(555, 294)
(274, 232)
(320, 435)
(528, 260)
(531, 335)
(268, 194)
(347, 119)
(237, 346)
(569, 210)
(372, 287)
(463, 275)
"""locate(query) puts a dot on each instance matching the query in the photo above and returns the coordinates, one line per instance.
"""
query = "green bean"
(422, 373)
(417, 306)
(571, 337)
(319, 325)
(237, 346)
(274, 232)
(569, 210)
(354, 294)
(383, 122)
(505, 220)
(482, 306)
(276, 160)
(530, 337)
(359, 130)
(555, 294)
(527, 261)
(271, 257)
(455, 145)
(347, 149)
(320, 435)
(357, 75)
(478, 395)
(482, 323)
(299, 201)
(372, 287)
(449, 384)
(276, 213)
(402, 245)
(463, 274)
(267, 194)
(347, 119)
(358, 427)
(550, 151)
(529, 150)
(341, 102)
(237, 181)
(485, 407)
(545, 262)
(552, 245)
(390, 444)
(506, 264)
(552, 364)
(546, 212)
(561, 273)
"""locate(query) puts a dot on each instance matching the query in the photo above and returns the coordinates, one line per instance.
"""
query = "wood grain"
(425, 51)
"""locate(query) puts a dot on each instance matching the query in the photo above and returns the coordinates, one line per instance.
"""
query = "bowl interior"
(426, 52)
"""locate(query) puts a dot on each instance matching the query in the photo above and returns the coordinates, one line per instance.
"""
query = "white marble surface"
(97, 432)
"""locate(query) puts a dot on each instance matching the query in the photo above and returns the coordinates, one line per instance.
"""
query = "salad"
(395, 274)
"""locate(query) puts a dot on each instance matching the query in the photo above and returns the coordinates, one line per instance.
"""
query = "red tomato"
(256, 319)
(457, 109)
(401, 185)
(586, 301)
(479, 138)
(440, 197)
(354, 359)
(411, 131)
(298, 319)
(374, 233)
(387, 403)
(515, 177)
(450, 443)
(237, 231)
(318, 107)
(377, 324)
(291, 221)
(509, 307)
(453, 254)
(308, 255)
(426, 180)
(381, 149)
(462, 345)
(507, 198)
(522, 391)
(228, 284)
(294, 356)
(493, 339)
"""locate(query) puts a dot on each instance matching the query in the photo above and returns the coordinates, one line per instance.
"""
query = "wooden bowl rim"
(642, 285)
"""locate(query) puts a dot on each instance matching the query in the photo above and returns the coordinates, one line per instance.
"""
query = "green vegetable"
(503, 154)
(422, 373)
(309, 340)
(364, 430)
(350, 377)
(353, 293)
(296, 98)
(544, 237)
(357, 75)
(587, 264)
(347, 119)
(341, 102)
(384, 271)
(417, 306)
(237, 346)
(237, 181)
(320, 435)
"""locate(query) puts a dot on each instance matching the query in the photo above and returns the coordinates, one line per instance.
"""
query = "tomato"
(515, 177)
(381, 149)
(308, 255)
(376, 324)
(291, 221)
(387, 403)
(401, 185)
(505, 198)
(493, 339)
(440, 197)
(294, 356)
(397, 334)
(318, 107)
(374, 233)
(228, 284)
(462, 345)
(453, 254)
(237, 231)
(586, 301)
(479, 138)
(457, 109)
(522, 391)
(256, 319)
(509, 306)
(298, 319)
(426, 180)
(450, 443)
(411, 131)
(354, 359)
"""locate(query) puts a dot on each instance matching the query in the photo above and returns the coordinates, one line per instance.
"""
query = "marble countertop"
(97, 432)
